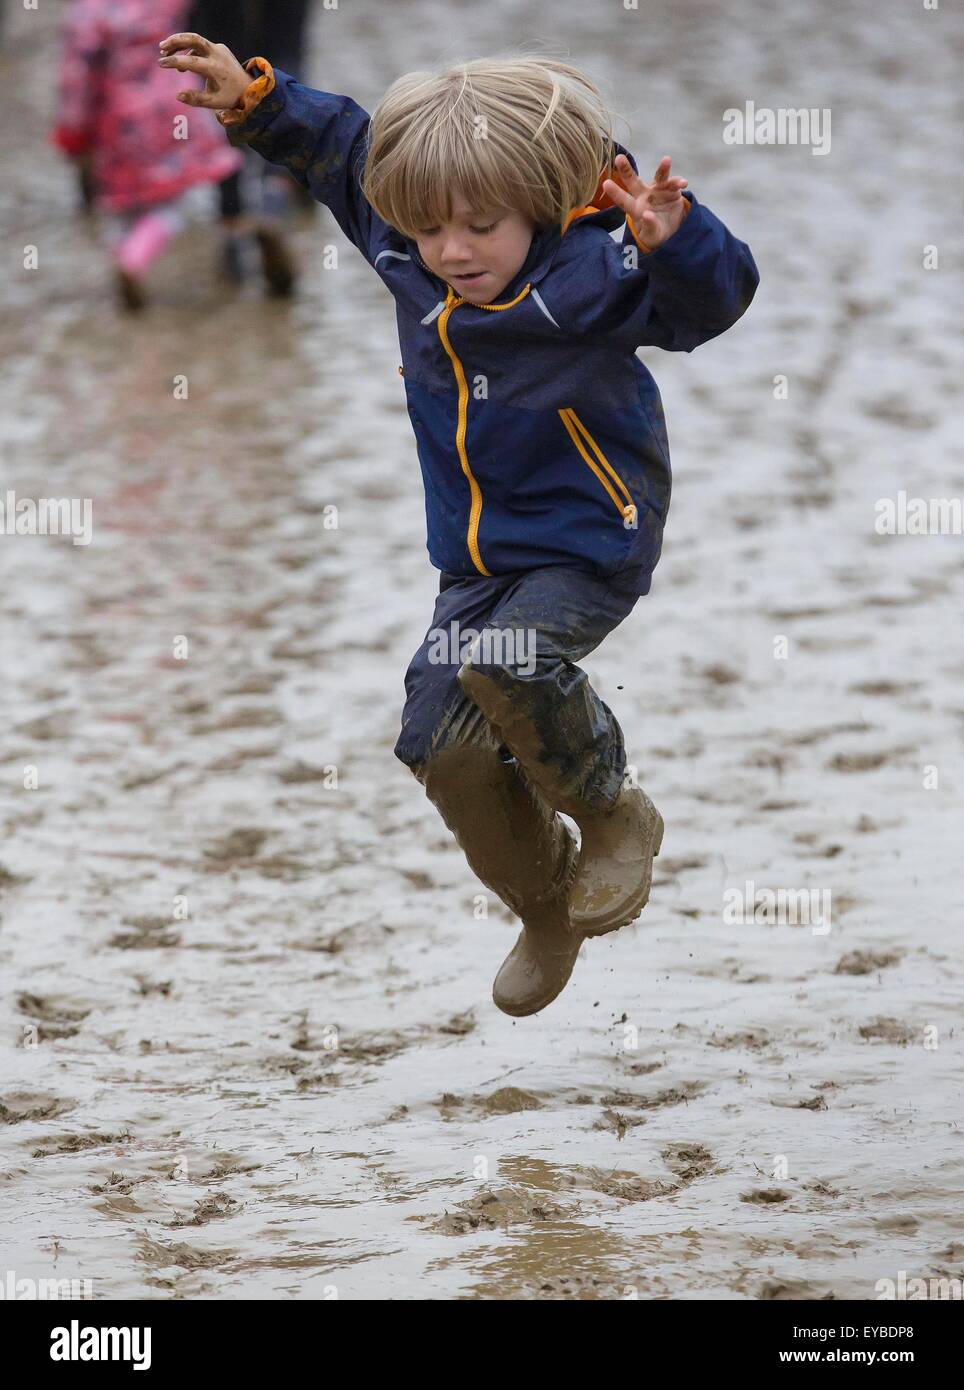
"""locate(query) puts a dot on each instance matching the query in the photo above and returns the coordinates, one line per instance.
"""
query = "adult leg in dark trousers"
(273, 30)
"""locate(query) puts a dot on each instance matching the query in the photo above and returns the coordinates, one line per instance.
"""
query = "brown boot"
(615, 868)
(519, 848)
(540, 963)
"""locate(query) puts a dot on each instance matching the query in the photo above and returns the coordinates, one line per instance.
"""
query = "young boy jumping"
(484, 197)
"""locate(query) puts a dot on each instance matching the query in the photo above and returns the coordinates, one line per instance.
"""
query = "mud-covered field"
(247, 1047)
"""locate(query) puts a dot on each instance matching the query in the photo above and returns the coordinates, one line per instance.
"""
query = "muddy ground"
(247, 1042)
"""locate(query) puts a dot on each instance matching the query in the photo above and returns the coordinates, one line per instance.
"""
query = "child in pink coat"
(120, 111)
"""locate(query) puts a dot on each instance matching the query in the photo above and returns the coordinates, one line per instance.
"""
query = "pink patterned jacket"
(119, 107)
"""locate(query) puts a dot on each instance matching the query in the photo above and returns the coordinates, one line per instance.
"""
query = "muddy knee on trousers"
(561, 733)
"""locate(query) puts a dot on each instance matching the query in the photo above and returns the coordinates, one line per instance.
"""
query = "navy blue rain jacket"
(540, 434)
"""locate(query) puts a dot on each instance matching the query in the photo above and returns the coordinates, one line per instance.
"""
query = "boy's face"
(477, 254)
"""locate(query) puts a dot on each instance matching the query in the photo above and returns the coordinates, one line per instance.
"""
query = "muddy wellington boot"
(615, 869)
(540, 963)
(525, 853)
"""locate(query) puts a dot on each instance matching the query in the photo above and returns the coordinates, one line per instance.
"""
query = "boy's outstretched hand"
(656, 208)
(225, 80)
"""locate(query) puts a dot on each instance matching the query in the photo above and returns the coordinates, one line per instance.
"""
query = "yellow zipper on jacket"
(625, 504)
(475, 510)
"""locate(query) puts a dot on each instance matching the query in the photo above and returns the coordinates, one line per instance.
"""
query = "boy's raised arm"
(320, 138)
(677, 279)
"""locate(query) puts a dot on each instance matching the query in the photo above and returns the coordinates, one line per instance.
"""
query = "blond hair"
(532, 134)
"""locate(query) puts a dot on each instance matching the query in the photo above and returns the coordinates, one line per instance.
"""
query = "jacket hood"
(545, 243)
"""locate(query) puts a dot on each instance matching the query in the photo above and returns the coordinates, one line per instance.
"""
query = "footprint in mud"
(821, 1188)
(372, 1047)
(238, 845)
(55, 1020)
(732, 969)
(249, 717)
(9, 881)
(232, 762)
(159, 1255)
(719, 674)
(291, 650)
(213, 1207)
(616, 1103)
(137, 780)
(299, 772)
(498, 1210)
(810, 736)
(767, 1196)
(78, 1143)
(48, 726)
(752, 1039)
(798, 1103)
(889, 1030)
(672, 867)
(240, 849)
(331, 945)
(223, 1166)
(893, 413)
(578, 1288)
(884, 688)
(146, 987)
(459, 1025)
(282, 866)
(324, 1080)
(144, 934)
(618, 1123)
(954, 1250)
(117, 1184)
(783, 1290)
(866, 962)
(897, 1221)
(628, 1187)
(508, 1100)
(18, 1107)
(868, 762)
(670, 1095)
(687, 1163)
(262, 683)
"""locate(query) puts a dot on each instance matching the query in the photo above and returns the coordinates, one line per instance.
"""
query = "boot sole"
(627, 911)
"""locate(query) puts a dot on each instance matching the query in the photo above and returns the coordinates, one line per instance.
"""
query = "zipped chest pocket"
(596, 460)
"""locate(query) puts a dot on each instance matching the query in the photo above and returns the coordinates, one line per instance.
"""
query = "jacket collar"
(601, 212)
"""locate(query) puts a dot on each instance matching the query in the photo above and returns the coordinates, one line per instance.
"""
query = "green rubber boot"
(615, 870)
(540, 963)
(614, 873)
(524, 852)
